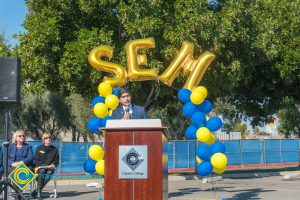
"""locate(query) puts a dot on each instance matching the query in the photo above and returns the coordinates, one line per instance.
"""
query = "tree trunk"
(73, 135)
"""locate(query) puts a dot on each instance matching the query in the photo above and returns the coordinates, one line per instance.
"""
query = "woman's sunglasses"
(21, 135)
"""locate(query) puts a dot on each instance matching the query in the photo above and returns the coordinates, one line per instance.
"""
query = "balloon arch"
(210, 154)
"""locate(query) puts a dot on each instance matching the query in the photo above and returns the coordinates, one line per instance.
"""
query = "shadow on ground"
(247, 194)
(187, 191)
(63, 194)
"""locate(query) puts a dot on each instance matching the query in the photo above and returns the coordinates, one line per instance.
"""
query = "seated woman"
(47, 158)
(19, 151)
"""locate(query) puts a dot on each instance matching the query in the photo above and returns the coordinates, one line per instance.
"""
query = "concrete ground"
(233, 187)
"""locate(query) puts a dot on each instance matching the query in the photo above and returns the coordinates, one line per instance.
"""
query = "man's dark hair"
(122, 91)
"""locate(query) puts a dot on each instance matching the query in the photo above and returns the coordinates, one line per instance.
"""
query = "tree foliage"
(289, 121)
(4, 47)
(81, 112)
(47, 112)
(257, 45)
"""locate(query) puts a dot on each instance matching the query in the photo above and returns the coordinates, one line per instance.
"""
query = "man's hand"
(126, 116)
(15, 164)
(52, 167)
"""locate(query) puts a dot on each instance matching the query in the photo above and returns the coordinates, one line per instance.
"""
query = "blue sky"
(12, 15)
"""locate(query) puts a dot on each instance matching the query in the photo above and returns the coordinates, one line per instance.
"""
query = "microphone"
(127, 111)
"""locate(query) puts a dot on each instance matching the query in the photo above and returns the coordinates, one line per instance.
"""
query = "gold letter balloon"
(95, 60)
(183, 61)
(134, 60)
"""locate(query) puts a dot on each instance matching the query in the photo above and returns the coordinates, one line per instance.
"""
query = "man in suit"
(126, 109)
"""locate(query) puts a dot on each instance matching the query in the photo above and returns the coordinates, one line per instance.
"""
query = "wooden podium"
(136, 163)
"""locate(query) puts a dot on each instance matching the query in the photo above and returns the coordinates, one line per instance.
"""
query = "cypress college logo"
(21, 176)
(133, 162)
(132, 159)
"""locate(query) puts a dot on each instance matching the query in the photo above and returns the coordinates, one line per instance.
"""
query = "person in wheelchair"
(46, 161)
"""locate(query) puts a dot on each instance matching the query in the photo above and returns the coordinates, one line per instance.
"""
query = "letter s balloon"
(95, 60)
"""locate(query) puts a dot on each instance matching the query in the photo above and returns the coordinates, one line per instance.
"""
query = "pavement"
(261, 185)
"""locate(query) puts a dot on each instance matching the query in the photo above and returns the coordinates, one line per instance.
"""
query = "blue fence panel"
(171, 155)
(233, 152)
(290, 150)
(251, 151)
(181, 154)
(73, 156)
(272, 151)
(192, 153)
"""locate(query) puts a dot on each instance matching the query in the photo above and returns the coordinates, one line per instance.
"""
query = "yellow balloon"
(110, 112)
(112, 101)
(201, 89)
(104, 89)
(135, 60)
(100, 110)
(198, 160)
(95, 60)
(96, 152)
(203, 135)
(219, 160)
(212, 139)
(219, 171)
(100, 167)
(197, 97)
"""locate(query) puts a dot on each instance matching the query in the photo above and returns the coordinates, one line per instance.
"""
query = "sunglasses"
(21, 135)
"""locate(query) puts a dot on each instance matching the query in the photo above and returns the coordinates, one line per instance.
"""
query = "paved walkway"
(234, 187)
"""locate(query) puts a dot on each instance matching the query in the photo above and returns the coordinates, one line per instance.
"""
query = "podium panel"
(155, 185)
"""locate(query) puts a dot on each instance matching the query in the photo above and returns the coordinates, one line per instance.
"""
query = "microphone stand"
(6, 182)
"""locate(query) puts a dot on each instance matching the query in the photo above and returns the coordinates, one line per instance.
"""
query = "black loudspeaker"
(9, 79)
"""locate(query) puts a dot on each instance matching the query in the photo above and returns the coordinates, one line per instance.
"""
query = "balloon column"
(210, 155)
(103, 106)
(95, 163)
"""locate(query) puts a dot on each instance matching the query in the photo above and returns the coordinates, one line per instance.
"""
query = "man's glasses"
(45, 138)
(21, 135)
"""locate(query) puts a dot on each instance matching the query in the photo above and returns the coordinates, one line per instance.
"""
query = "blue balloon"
(116, 91)
(206, 106)
(103, 124)
(184, 95)
(188, 109)
(218, 147)
(204, 168)
(98, 99)
(213, 3)
(89, 166)
(199, 119)
(204, 153)
(190, 132)
(214, 124)
(94, 124)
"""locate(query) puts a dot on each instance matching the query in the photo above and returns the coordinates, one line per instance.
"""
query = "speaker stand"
(6, 182)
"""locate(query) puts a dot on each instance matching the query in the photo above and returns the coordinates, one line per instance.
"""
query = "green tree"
(241, 128)
(289, 121)
(256, 131)
(256, 43)
(4, 47)
(38, 114)
(230, 114)
(81, 112)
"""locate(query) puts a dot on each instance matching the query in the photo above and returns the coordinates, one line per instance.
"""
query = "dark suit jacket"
(138, 112)
(26, 153)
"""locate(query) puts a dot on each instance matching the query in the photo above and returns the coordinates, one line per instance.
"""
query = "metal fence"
(238, 152)
(182, 153)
